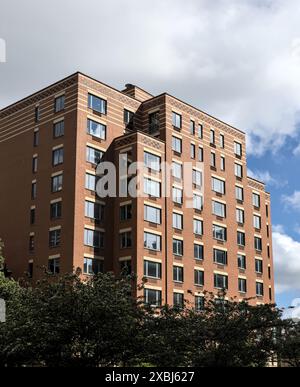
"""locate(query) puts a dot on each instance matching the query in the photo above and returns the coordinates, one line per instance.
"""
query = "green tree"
(289, 344)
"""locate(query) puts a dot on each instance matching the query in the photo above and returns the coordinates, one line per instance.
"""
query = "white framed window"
(198, 252)
(152, 297)
(92, 266)
(257, 222)
(219, 209)
(97, 104)
(177, 221)
(93, 155)
(199, 277)
(197, 178)
(90, 182)
(259, 289)
(220, 281)
(152, 187)
(59, 104)
(96, 129)
(220, 257)
(242, 262)
(152, 161)
(57, 183)
(197, 202)
(198, 227)
(238, 170)
(178, 247)
(176, 144)
(219, 233)
(152, 214)
(256, 200)
(240, 216)
(93, 238)
(58, 156)
(218, 185)
(177, 120)
(242, 282)
(152, 269)
(239, 193)
(152, 241)
(177, 170)
(177, 194)
(178, 273)
(238, 150)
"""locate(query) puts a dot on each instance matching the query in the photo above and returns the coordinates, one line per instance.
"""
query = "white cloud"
(292, 201)
(296, 151)
(286, 262)
(239, 60)
(265, 177)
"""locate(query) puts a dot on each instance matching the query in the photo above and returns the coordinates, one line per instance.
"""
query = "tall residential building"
(50, 145)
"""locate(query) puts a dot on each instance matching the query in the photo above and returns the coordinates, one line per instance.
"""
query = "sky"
(236, 59)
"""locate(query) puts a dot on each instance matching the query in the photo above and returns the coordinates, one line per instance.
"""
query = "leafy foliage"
(64, 321)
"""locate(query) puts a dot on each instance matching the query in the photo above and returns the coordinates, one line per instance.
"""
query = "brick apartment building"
(50, 145)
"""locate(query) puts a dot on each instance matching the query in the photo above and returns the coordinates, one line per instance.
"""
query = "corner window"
(97, 104)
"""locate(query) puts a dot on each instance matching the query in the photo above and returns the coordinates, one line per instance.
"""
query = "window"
(176, 120)
(241, 239)
(267, 211)
(36, 136)
(152, 188)
(152, 297)
(30, 269)
(125, 240)
(33, 191)
(256, 200)
(126, 212)
(97, 104)
(212, 137)
(53, 265)
(34, 164)
(128, 118)
(32, 216)
(37, 114)
(242, 262)
(92, 266)
(222, 165)
(213, 160)
(31, 243)
(197, 178)
(96, 129)
(177, 273)
(177, 170)
(59, 129)
(200, 131)
(238, 170)
(152, 214)
(54, 238)
(218, 186)
(152, 241)
(55, 210)
(219, 233)
(259, 289)
(176, 144)
(200, 155)
(239, 194)
(177, 221)
(220, 257)
(220, 281)
(178, 300)
(193, 151)
(257, 222)
(125, 267)
(192, 127)
(238, 149)
(259, 266)
(222, 141)
(90, 182)
(57, 183)
(153, 122)
(93, 155)
(258, 244)
(94, 210)
(152, 269)
(198, 227)
(198, 252)
(152, 161)
(199, 303)
(59, 104)
(93, 238)
(199, 277)
(242, 285)
(178, 247)
(240, 216)
(219, 209)
(197, 202)
(177, 194)
(58, 156)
